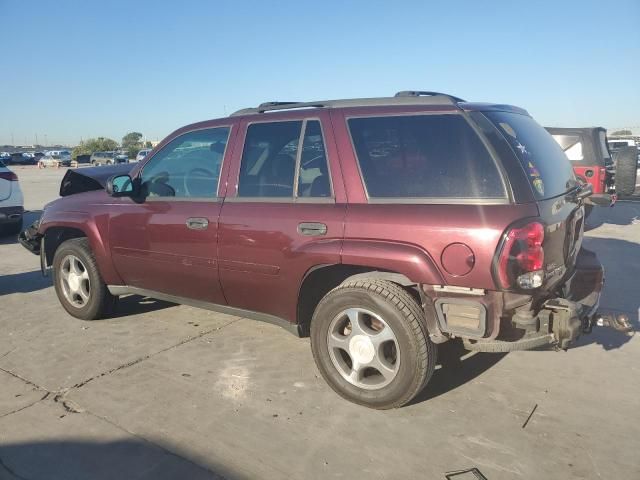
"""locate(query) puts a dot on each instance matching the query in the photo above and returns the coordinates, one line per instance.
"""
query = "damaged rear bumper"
(559, 321)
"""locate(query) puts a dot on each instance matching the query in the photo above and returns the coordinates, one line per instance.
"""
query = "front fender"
(54, 223)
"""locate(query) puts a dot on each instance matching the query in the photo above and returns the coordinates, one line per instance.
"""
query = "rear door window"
(424, 157)
(275, 154)
(545, 163)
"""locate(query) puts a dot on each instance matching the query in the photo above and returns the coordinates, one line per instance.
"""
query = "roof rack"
(422, 93)
(400, 98)
(270, 106)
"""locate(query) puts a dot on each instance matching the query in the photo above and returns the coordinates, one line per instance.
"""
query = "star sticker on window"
(522, 148)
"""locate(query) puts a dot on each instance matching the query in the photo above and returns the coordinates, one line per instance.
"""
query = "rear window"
(424, 156)
(602, 136)
(571, 145)
(544, 162)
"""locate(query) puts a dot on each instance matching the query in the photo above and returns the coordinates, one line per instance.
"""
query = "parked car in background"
(121, 157)
(588, 151)
(5, 157)
(379, 227)
(22, 158)
(83, 159)
(142, 153)
(616, 144)
(54, 161)
(103, 158)
(11, 202)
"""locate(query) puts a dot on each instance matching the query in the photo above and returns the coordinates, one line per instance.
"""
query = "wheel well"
(322, 279)
(54, 237)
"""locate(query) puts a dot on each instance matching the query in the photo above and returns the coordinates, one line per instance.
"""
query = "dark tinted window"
(188, 166)
(268, 163)
(544, 162)
(424, 156)
(313, 180)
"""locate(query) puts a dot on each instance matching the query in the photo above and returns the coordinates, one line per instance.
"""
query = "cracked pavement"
(165, 391)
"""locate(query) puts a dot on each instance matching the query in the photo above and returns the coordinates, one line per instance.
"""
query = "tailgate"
(564, 220)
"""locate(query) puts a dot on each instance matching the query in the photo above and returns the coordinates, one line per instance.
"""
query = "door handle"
(197, 223)
(312, 229)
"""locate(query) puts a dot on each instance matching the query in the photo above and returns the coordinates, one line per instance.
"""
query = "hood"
(90, 178)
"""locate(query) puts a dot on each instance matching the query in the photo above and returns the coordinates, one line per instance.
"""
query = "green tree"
(622, 132)
(131, 143)
(91, 145)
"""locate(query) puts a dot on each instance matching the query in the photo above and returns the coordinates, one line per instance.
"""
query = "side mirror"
(120, 186)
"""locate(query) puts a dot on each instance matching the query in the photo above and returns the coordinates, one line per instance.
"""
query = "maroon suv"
(380, 227)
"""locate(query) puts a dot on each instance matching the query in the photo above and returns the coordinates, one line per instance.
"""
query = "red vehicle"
(588, 150)
(380, 227)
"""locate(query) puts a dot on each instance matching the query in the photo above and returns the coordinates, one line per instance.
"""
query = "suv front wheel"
(78, 283)
(371, 345)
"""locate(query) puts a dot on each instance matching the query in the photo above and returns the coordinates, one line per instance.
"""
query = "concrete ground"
(165, 391)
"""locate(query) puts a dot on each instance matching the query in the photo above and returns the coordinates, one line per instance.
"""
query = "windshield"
(544, 161)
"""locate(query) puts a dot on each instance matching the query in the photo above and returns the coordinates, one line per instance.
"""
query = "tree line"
(131, 143)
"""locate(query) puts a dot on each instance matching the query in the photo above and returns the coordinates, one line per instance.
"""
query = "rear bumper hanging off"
(560, 320)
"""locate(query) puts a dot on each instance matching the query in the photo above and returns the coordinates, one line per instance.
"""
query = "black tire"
(626, 160)
(405, 317)
(100, 302)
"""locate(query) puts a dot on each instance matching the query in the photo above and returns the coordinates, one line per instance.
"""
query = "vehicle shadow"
(28, 218)
(623, 213)
(457, 367)
(102, 460)
(135, 304)
(621, 293)
(23, 282)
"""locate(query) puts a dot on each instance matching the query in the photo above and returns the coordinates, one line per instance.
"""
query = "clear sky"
(78, 69)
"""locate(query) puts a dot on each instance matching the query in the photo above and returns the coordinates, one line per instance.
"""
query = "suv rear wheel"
(78, 283)
(370, 344)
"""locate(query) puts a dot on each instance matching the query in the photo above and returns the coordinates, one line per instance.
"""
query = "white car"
(11, 202)
(142, 153)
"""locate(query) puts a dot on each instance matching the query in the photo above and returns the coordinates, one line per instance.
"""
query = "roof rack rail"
(270, 106)
(422, 93)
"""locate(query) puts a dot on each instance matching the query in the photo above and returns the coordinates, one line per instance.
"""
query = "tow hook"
(618, 322)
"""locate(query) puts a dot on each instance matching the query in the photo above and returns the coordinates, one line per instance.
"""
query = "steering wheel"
(199, 182)
(306, 163)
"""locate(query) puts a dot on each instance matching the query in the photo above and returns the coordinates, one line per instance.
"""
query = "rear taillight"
(521, 259)
(12, 177)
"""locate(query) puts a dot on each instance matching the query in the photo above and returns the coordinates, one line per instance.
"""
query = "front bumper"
(30, 239)
(558, 321)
